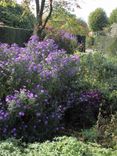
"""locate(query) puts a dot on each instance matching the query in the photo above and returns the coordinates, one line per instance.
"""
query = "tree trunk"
(41, 24)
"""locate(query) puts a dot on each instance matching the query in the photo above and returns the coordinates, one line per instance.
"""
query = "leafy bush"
(98, 68)
(10, 147)
(89, 135)
(89, 42)
(98, 72)
(14, 15)
(67, 22)
(107, 132)
(112, 49)
(35, 86)
(64, 146)
(14, 35)
(95, 85)
(106, 44)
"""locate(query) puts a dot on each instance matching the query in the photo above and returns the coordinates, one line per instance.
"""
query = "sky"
(87, 6)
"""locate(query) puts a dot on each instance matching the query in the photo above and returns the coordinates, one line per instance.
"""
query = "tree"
(44, 10)
(98, 20)
(42, 7)
(113, 16)
(63, 19)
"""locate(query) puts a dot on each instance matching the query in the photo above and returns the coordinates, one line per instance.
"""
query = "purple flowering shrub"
(27, 118)
(35, 81)
(64, 39)
(84, 114)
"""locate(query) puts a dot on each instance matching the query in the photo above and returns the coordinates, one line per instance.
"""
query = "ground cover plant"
(62, 146)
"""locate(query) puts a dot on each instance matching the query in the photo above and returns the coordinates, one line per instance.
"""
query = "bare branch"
(49, 15)
(42, 7)
(37, 8)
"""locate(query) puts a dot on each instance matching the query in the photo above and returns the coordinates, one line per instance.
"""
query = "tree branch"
(49, 15)
(41, 12)
(37, 8)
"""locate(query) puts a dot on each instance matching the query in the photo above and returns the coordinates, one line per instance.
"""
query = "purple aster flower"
(21, 113)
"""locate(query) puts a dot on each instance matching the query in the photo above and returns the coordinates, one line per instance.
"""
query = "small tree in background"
(98, 20)
(113, 16)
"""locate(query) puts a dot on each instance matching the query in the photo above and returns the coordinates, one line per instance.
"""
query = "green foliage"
(99, 72)
(88, 135)
(106, 45)
(89, 42)
(14, 35)
(113, 16)
(105, 134)
(107, 131)
(97, 67)
(63, 20)
(96, 72)
(62, 146)
(10, 147)
(112, 49)
(14, 15)
(98, 20)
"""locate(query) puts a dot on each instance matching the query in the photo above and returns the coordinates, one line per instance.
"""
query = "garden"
(54, 99)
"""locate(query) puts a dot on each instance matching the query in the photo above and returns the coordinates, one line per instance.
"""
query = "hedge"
(14, 35)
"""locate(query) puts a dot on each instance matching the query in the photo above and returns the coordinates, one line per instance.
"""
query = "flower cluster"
(33, 82)
(84, 113)
(92, 97)
(27, 116)
(64, 39)
(67, 35)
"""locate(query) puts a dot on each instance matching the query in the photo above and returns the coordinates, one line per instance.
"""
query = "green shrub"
(63, 146)
(112, 49)
(10, 147)
(89, 42)
(97, 67)
(98, 72)
(106, 44)
(14, 15)
(107, 132)
(89, 135)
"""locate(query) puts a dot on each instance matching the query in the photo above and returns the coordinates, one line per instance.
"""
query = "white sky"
(87, 6)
